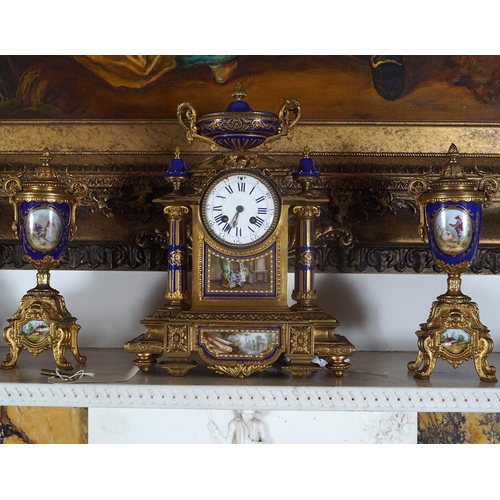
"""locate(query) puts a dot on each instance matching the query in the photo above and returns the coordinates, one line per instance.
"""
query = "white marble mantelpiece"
(377, 381)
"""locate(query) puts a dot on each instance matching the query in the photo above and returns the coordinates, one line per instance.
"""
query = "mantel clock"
(238, 209)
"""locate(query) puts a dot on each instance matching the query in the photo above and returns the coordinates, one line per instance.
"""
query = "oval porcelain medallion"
(44, 229)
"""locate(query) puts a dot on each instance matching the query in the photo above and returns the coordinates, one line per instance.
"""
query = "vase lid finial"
(239, 92)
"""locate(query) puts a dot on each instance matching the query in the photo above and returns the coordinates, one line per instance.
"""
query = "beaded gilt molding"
(369, 226)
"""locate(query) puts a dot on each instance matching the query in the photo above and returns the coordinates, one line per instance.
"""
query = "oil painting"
(336, 87)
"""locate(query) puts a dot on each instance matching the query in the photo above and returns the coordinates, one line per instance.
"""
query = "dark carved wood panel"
(368, 226)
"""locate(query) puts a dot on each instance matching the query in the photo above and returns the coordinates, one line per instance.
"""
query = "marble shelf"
(377, 381)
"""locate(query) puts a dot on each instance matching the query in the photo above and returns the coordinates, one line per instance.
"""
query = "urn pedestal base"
(42, 322)
(454, 333)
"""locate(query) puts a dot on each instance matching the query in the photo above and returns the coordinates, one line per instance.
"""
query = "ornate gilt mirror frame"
(370, 224)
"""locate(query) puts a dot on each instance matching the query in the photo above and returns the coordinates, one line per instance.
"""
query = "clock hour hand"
(234, 220)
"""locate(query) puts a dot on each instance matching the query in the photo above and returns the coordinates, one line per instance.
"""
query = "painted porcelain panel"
(35, 330)
(44, 228)
(453, 230)
(455, 340)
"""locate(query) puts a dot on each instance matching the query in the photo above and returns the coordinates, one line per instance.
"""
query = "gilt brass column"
(177, 288)
(304, 293)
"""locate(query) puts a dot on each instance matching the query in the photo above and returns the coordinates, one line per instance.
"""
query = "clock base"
(241, 343)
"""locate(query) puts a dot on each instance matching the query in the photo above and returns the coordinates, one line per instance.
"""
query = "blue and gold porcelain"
(44, 221)
(453, 229)
(44, 228)
(238, 127)
(239, 321)
(450, 216)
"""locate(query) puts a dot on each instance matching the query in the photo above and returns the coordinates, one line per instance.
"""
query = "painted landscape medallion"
(35, 330)
(455, 340)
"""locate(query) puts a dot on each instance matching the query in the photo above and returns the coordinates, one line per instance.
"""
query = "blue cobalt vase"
(453, 230)
(44, 221)
(44, 228)
(452, 207)
(239, 127)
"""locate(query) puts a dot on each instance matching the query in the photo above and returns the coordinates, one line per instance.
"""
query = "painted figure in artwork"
(232, 278)
(140, 71)
(38, 231)
(458, 226)
(97, 86)
(244, 429)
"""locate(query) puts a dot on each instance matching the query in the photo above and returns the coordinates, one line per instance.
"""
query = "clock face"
(240, 209)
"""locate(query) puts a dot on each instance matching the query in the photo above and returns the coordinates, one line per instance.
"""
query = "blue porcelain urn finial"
(177, 166)
(306, 165)
(176, 172)
(306, 173)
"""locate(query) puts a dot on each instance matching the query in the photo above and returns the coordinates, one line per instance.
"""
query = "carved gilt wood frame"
(370, 224)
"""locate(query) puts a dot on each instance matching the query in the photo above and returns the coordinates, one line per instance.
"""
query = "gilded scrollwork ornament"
(238, 369)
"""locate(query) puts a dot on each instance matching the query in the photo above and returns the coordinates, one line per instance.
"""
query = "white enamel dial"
(240, 209)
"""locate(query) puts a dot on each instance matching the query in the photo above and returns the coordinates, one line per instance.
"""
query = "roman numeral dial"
(240, 209)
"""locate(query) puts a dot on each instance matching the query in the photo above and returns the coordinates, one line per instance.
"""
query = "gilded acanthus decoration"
(309, 295)
(306, 212)
(176, 212)
(238, 369)
(177, 295)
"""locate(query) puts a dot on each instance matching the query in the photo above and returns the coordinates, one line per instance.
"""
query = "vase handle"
(288, 116)
(186, 115)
